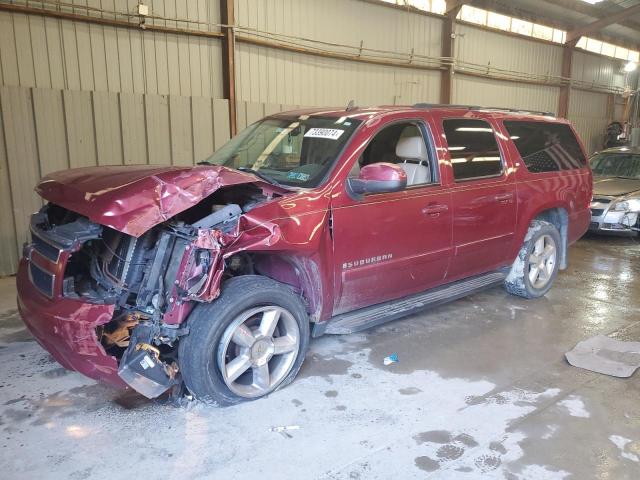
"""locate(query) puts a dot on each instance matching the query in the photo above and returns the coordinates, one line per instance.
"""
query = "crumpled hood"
(615, 187)
(132, 199)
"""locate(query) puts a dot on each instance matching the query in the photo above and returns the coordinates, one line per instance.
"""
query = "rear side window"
(473, 149)
(546, 147)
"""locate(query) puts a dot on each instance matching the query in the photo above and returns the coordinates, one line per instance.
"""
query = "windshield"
(625, 165)
(294, 151)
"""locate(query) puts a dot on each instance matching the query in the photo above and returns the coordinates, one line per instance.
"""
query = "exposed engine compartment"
(152, 281)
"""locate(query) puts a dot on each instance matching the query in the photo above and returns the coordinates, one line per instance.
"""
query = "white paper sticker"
(330, 133)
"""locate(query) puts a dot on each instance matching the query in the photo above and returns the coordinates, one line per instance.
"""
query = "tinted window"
(473, 148)
(546, 147)
(616, 165)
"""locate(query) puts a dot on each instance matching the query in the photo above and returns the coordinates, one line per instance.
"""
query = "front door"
(483, 196)
(390, 245)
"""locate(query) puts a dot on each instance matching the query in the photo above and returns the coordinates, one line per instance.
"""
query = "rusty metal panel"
(202, 121)
(106, 113)
(181, 132)
(22, 156)
(8, 240)
(134, 134)
(50, 130)
(81, 142)
(158, 129)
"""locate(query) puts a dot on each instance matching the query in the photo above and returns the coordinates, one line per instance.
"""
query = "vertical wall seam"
(146, 128)
(35, 132)
(9, 183)
(15, 42)
(95, 130)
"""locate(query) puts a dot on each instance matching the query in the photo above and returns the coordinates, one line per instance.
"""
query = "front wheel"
(536, 266)
(249, 342)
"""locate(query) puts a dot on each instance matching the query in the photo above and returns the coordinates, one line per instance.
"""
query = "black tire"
(518, 282)
(197, 352)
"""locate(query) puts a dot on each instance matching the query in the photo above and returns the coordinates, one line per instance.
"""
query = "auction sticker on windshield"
(330, 133)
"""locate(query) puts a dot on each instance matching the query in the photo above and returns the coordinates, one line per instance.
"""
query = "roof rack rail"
(478, 107)
(446, 105)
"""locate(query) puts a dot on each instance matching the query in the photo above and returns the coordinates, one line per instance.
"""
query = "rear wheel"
(536, 267)
(249, 342)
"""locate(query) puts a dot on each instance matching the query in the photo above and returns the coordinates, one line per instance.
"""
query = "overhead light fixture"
(630, 67)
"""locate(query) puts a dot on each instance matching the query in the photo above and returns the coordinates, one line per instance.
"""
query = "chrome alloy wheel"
(542, 261)
(258, 350)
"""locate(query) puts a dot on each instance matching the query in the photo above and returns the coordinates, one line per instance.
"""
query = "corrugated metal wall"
(74, 93)
(56, 53)
(272, 76)
(496, 51)
(496, 93)
(507, 52)
(588, 112)
(43, 130)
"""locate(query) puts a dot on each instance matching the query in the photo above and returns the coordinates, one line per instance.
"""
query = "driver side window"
(404, 145)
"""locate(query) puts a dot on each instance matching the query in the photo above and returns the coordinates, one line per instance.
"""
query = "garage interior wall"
(74, 93)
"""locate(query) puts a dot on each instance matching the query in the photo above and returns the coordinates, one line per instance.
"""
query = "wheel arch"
(559, 218)
(301, 273)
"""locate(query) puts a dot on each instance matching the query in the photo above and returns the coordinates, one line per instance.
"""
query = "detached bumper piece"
(142, 369)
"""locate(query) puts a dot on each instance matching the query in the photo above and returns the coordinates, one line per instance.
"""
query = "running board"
(375, 315)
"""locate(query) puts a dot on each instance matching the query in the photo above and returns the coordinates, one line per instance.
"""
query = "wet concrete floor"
(481, 390)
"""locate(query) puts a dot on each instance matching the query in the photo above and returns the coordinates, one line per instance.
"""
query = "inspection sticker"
(330, 133)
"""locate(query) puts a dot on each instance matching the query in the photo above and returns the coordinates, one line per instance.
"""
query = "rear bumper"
(66, 328)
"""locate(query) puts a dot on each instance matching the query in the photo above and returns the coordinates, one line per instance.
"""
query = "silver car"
(616, 191)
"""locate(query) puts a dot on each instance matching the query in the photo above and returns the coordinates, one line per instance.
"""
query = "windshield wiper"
(263, 176)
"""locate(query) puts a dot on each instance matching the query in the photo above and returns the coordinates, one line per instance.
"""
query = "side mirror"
(378, 178)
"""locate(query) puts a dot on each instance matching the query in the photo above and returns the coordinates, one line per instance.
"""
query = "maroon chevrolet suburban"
(214, 277)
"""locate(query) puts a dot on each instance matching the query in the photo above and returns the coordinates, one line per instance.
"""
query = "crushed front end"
(113, 306)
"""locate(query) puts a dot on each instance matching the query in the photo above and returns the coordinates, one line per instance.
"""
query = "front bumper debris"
(66, 328)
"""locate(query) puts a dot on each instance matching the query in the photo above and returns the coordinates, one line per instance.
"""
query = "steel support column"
(227, 18)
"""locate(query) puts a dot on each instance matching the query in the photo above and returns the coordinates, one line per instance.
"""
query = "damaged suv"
(309, 222)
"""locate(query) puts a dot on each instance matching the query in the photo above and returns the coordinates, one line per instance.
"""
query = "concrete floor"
(481, 390)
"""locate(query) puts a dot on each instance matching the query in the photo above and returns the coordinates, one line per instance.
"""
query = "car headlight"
(629, 205)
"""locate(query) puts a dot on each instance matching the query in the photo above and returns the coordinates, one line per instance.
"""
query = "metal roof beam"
(513, 10)
(591, 11)
(454, 7)
(574, 35)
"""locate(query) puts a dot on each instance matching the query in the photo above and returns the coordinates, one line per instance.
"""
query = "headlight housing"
(627, 205)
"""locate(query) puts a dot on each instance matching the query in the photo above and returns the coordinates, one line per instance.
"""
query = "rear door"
(390, 245)
(483, 197)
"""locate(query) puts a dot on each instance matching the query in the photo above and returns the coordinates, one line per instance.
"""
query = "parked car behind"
(616, 191)
(308, 222)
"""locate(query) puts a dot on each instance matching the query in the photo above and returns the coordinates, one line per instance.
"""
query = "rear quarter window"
(546, 147)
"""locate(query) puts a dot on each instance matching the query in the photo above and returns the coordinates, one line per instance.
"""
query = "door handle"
(435, 209)
(504, 197)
